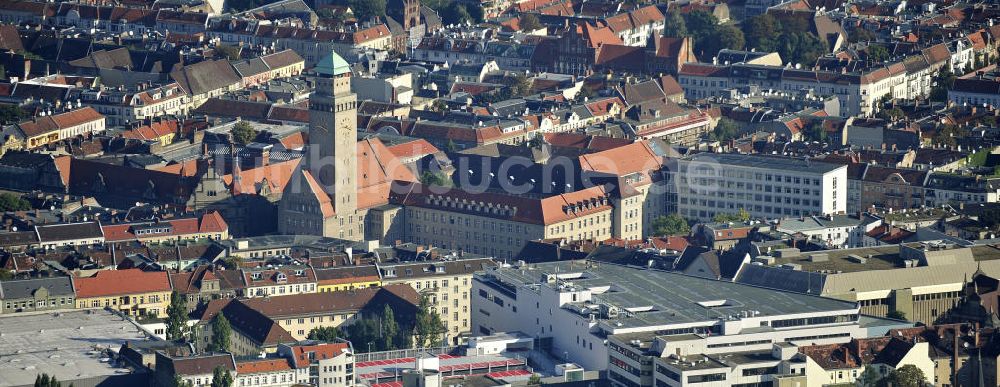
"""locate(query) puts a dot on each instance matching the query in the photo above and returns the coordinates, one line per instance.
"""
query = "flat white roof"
(68, 345)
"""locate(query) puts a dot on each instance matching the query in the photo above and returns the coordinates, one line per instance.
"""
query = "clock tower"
(333, 134)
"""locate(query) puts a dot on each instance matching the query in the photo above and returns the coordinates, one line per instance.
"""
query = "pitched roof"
(153, 131)
(202, 77)
(347, 274)
(121, 282)
(210, 222)
(69, 231)
(302, 355)
(280, 275)
(10, 39)
(326, 302)
(189, 282)
(597, 36)
(265, 179)
(637, 157)
(56, 286)
(281, 59)
(248, 321)
(325, 204)
(419, 147)
(549, 210)
(201, 365)
(41, 125)
(261, 366)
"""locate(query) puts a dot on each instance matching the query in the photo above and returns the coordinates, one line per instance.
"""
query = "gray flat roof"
(67, 345)
(673, 297)
(766, 162)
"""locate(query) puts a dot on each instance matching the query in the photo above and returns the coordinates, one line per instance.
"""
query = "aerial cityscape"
(476, 193)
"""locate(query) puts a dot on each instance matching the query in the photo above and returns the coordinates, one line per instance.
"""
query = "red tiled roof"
(121, 282)
(275, 176)
(633, 158)
(55, 122)
(153, 131)
(419, 147)
(302, 354)
(262, 366)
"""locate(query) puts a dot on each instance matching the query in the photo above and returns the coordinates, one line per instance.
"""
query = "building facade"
(766, 187)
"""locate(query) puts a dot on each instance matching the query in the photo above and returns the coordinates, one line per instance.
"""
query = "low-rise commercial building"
(917, 281)
(578, 305)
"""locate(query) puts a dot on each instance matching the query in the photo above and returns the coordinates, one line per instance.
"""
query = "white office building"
(573, 309)
(765, 186)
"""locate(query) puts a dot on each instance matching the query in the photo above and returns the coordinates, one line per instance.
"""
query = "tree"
(230, 52)
(520, 85)
(455, 13)
(895, 314)
(367, 9)
(814, 131)
(948, 134)
(428, 328)
(178, 382)
(390, 328)
(176, 316)
(221, 377)
(941, 83)
(232, 263)
(12, 202)
(860, 34)
(534, 380)
(741, 216)
(700, 23)
(327, 334)
(801, 47)
(762, 32)
(889, 114)
(725, 130)
(877, 53)
(44, 380)
(221, 334)
(435, 179)
(243, 133)
(672, 224)
(720, 38)
(10, 114)
(906, 376)
(674, 25)
(870, 376)
(530, 22)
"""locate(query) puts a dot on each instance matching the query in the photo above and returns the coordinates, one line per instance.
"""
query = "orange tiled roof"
(625, 160)
(274, 176)
(121, 282)
(302, 354)
(413, 148)
(262, 366)
(209, 223)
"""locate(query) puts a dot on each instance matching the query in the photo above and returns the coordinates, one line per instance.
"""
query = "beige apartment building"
(642, 191)
(447, 284)
(498, 225)
(261, 324)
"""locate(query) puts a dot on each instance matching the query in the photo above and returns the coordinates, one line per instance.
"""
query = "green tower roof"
(332, 65)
